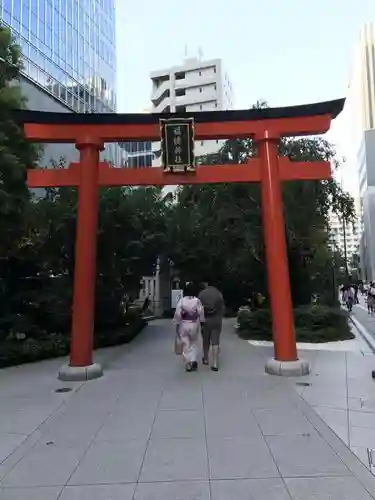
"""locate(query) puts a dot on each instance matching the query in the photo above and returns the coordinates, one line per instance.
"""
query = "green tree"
(131, 235)
(16, 153)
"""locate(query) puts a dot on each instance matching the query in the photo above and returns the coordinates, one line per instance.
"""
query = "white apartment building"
(195, 85)
(352, 236)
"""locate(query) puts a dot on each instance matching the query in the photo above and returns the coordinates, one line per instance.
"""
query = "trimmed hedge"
(20, 349)
(313, 324)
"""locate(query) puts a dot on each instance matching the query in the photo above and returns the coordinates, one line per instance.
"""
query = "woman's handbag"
(177, 345)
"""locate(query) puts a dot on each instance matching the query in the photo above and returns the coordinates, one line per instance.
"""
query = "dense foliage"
(313, 324)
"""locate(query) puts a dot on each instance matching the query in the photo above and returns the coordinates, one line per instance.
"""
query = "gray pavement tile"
(175, 460)
(326, 399)
(249, 489)
(88, 405)
(232, 458)
(328, 382)
(41, 493)
(179, 424)
(361, 387)
(362, 419)
(327, 488)
(274, 400)
(178, 399)
(68, 429)
(231, 422)
(365, 404)
(361, 453)
(217, 399)
(328, 386)
(9, 443)
(22, 420)
(138, 400)
(19, 453)
(342, 431)
(99, 492)
(174, 490)
(360, 436)
(44, 465)
(110, 462)
(305, 455)
(290, 421)
(332, 416)
(120, 427)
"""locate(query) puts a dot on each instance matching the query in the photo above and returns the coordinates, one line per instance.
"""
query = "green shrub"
(16, 349)
(313, 324)
(132, 323)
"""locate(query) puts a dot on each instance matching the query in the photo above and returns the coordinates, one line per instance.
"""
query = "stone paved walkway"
(149, 431)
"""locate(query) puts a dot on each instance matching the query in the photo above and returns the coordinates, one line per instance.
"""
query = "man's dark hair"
(190, 290)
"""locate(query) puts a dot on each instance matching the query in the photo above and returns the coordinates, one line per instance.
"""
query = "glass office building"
(69, 48)
(137, 154)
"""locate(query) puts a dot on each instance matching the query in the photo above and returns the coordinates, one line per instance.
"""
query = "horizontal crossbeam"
(64, 133)
(155, 176)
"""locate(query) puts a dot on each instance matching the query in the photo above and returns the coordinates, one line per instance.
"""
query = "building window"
(200, 107)
(200, 90)
(200, 73)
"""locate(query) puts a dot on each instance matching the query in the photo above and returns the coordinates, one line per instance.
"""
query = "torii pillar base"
(69, 373)
(296, 368)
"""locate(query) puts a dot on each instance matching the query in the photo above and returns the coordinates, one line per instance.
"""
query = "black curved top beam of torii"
(332, 108)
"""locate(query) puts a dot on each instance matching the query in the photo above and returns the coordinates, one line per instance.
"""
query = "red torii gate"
(89, 132)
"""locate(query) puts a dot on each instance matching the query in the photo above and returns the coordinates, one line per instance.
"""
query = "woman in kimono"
(188, 318)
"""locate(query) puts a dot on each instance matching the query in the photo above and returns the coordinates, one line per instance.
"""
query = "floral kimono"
(188, 317)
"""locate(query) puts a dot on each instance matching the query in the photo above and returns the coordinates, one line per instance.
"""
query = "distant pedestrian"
(355, 288)
(371, 298)
(348, 297)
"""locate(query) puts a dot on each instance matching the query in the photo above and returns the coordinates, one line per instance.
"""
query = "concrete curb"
(151, 318)
(370, 341)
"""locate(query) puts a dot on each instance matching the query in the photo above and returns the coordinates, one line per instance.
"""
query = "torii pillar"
(89, 132)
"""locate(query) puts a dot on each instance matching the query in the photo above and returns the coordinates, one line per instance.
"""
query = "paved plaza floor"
(149, 431)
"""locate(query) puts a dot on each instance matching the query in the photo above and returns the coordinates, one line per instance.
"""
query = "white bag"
(177, 345)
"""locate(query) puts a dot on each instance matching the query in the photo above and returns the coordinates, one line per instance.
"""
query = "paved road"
(149, 431)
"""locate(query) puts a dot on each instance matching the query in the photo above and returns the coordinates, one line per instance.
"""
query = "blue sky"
(283, 51)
